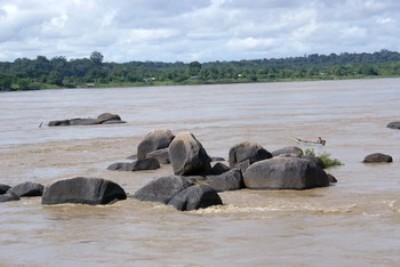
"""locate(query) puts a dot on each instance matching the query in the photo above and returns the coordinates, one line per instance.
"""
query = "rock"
(316, 160)
(285, 173)
(219, 168)
(163, 189)
(108, 117)
(244, 165)
(288, 150)
(73, 122)
(154, 140)
(247, 151)
(217, 159)
(8, 197)
(27, 189)
(332, 178)
(188, 157)
(231, 180)
(121, 166)
(162, 155)
(4, 188)
(394, 125)
(378, 158)
(104, 118)
(139, 165)
(83, 190)
(195, 197)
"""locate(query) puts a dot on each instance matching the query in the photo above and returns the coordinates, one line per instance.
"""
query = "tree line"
(58, 72)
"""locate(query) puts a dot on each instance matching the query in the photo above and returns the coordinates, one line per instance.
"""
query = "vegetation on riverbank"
(58, 72)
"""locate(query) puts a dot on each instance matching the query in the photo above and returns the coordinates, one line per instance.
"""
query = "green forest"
(58, 72)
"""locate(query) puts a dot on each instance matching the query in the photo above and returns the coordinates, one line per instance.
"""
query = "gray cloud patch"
(182, 30)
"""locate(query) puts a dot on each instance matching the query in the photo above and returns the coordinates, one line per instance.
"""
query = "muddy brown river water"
(354, 223)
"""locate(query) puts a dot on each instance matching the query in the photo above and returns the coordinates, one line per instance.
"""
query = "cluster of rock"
(105, 118)
(197, 179)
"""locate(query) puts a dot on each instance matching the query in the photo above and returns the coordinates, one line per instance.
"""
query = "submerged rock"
(139, 165)
(101, 119)
(378, 158)
(4, 188)
(8, 197)
(285, 173)
(27, 189)
(394, 125)
(195, 197)
(83, 190)
(179, 192)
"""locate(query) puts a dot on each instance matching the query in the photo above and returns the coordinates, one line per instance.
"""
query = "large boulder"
(154, 140)
(231, 180)
(378, 158)
(285, 173)
(394, 125)
(195, 197)
(139, 165)
(163, 189)
(188, 157)
(247, 151)
(83, 190)
(27, 189)
(288, 150)
(4, 188)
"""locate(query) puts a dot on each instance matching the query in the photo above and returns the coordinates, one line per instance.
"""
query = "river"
(353, 223)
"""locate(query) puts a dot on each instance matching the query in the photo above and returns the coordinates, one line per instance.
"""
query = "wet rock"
(332, 178)
(288, 150)
(195, 197)
(217, 159)
(231, 180)
(154, 140)
(188, 157)
(4, 188)
(101, 119)
(378, 158)
(162, 155)
(8, 197)
(139, 165)
(83, 190)
(316, 160)
(104, 117)
(163, 189)
(285, 173)
(219, 168)
(27, 189)
(394, 125)
(247, 151)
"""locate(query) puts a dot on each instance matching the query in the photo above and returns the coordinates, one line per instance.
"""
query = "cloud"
(204, 30)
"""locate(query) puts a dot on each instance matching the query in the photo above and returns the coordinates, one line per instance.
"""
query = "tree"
(96, 58)
(194, 68)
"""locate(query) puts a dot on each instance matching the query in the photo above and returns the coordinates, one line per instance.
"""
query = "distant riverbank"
(42, 73)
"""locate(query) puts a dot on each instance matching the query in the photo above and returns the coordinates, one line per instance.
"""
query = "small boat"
(310, 142)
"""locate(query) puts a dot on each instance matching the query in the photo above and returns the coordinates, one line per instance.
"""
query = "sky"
(195, 30)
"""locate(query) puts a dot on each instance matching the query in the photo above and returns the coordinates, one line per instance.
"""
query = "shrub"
(325, 158)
